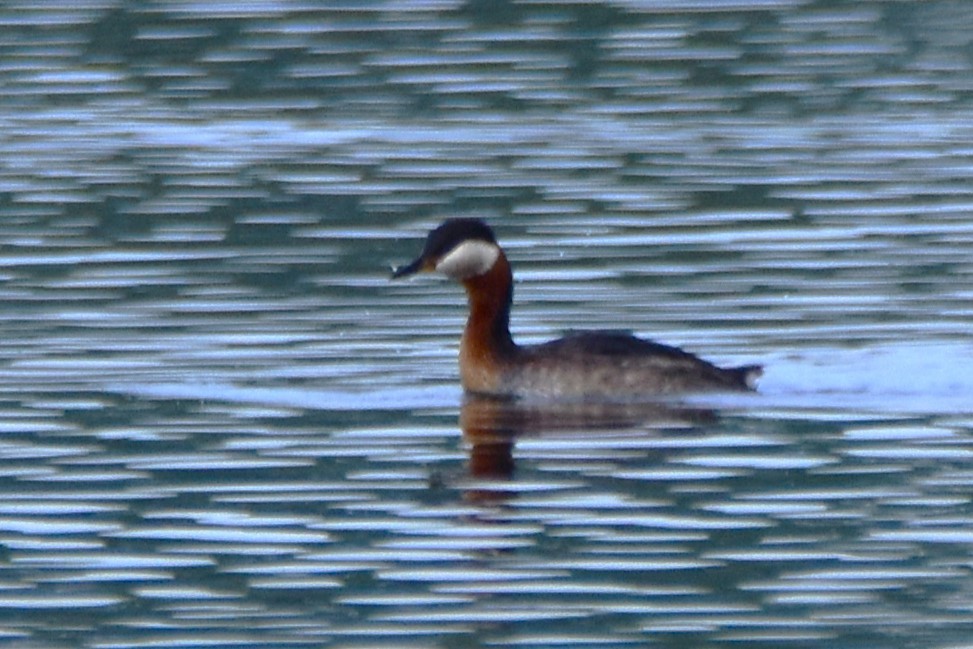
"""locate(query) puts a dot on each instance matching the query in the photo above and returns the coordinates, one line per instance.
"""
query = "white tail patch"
(469, 259)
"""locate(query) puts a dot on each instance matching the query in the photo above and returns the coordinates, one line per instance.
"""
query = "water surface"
(223, 426)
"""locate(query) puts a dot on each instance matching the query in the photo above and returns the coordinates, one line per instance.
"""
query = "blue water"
(223, 426)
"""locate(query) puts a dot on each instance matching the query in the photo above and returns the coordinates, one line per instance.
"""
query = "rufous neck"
(490, 296)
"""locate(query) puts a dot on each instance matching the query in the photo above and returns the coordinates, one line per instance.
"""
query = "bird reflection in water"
(491, 426)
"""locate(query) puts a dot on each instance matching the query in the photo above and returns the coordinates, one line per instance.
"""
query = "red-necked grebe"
(596, 364)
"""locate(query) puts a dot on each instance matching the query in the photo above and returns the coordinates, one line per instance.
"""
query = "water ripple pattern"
(221, 426)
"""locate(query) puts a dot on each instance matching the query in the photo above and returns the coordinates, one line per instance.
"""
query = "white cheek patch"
(469, 259)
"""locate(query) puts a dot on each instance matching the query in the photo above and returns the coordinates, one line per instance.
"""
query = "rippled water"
(223, 426)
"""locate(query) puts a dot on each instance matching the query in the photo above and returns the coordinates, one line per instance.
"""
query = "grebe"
(596, 364)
